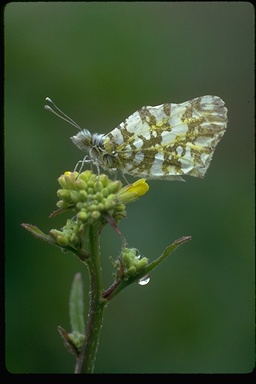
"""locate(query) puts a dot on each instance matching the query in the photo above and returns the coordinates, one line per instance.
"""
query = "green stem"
(86, 359)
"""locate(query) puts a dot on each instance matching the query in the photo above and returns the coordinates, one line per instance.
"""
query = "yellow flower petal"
(132, 192)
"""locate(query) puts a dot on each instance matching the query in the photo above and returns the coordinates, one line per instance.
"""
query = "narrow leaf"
(168, 250)
(67, 341)
(38, 233)
(76, 305)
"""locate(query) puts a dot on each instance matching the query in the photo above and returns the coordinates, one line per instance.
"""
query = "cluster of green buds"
(69, 235)
(129, 264)
(90, 196)
(95, 199)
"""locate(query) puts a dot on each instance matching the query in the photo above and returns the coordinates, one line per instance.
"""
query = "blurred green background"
(100, 62)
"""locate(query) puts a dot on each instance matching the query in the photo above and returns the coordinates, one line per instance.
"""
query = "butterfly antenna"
(58, 112)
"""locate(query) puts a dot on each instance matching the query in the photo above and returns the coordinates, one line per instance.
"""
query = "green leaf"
(76, 305)
(168, 250)
(68, 342)
(38, 233)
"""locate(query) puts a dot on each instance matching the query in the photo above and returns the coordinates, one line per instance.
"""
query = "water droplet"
(145, 280)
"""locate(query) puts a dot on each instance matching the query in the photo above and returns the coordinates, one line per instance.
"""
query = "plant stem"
(86, 359)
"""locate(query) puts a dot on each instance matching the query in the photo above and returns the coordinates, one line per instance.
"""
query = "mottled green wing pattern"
(169, 140)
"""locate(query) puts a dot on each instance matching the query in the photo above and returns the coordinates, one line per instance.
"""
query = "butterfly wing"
(169, 140)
